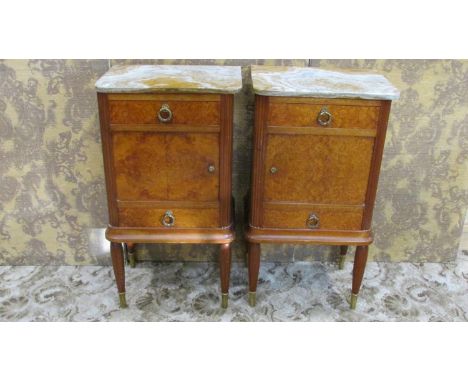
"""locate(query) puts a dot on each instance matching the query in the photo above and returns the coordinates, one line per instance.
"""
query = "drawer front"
(169, 217)
(317, 169)
(163, 166)
(326, 114)
(313, 217)
(166, 110)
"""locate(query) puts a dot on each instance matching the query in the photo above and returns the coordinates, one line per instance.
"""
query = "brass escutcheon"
(165, 113)
(211, 168)
(273, 170)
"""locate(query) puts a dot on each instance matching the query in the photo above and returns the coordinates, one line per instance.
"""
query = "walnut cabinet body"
(167, 161)
(316, 163)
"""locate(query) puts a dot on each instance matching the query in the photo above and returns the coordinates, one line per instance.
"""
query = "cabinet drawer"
(324, 113)
(313, 217)
(173, 217)
(166, 166)
(165, 110)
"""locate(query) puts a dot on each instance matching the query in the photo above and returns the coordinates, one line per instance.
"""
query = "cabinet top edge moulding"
(287, 81)
(171, 78)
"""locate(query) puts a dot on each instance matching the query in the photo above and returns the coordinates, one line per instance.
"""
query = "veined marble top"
(311, 82)
(171, 78)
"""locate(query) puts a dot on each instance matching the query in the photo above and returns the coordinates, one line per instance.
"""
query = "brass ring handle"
(168, 219)
(313, 221)
(324, 118)
(165, 113)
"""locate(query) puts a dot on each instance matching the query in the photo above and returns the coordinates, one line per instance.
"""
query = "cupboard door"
(140, 166)
(160, 166)
(317, 169)
(192, 166)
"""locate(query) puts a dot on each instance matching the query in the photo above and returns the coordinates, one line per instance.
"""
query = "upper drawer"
(330, 113)
(164, 109)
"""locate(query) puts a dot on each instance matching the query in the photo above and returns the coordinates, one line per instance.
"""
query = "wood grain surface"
(150, 166)
(223, 235)
(331, 217)
(184, 217)
(305, 114)
(317, 169)
(183, 112)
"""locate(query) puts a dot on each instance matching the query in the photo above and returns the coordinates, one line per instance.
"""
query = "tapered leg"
(360, 259)
(343, 251)
(131, 254)
(254, 266)
(119, 271)
(225, 272)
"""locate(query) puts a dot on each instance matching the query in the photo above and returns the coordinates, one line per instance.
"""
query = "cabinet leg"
(254, 266)
(225, 272)
(119, 271)
(343, 251)
(360, 259)
(131, 254)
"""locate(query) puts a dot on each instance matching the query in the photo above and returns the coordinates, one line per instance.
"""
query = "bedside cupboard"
(318, 143)
(167, 144)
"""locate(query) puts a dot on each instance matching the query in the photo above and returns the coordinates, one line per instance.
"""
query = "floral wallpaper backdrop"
(52, 194)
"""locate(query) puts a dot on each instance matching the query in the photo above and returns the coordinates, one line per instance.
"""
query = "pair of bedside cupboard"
(318, 142)
(167, 145)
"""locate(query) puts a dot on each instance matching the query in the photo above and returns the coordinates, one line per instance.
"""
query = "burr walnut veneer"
(167, 143)
(318, 143)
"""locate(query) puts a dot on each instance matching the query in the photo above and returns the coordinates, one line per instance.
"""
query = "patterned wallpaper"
(52, 193)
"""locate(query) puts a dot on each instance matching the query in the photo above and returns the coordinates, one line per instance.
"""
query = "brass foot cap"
(122, 300)
(341, 262)
(131, 260)
(353, 303)
(224, 300)
(252, 298)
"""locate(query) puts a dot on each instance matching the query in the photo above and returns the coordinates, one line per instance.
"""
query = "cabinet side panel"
(259, 137)
(107, 155)
(225, 159)
(376, 162)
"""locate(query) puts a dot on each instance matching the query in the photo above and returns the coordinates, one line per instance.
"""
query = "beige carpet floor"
(190, 292)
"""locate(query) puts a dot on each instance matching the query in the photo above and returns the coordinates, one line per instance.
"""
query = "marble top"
(311, 82)
(171, 78)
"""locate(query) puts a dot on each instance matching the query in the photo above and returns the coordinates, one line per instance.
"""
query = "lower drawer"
(169, 217)
(312, 217)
